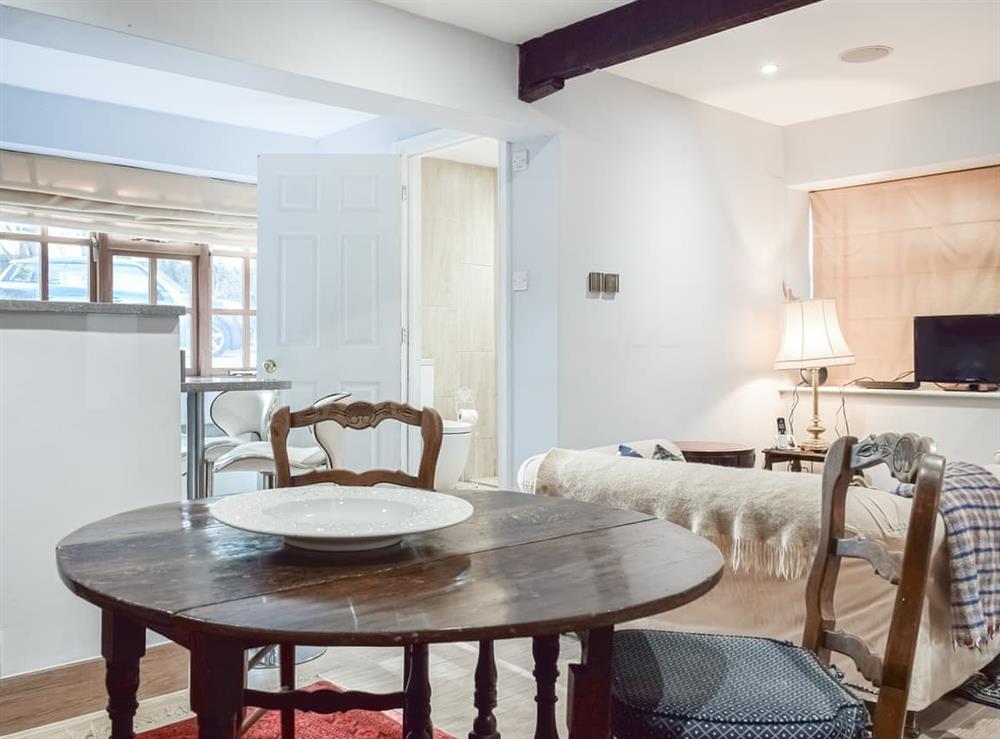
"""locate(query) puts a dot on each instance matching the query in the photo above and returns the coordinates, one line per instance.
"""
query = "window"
(220, 302)
(157, 273)
(46, 263)
(234, 311)
(889, 251)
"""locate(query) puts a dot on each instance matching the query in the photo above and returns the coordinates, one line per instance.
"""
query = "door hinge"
(406, 193)
(404, 336)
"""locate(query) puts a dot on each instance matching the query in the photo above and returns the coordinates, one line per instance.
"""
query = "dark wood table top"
(522, 565)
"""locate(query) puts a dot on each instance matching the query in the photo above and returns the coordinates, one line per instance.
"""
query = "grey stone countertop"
(125, 309)
(219, 383)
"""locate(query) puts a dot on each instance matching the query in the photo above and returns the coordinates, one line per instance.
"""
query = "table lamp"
(811, 340)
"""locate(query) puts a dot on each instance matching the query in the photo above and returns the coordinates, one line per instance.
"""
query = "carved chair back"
(357, 415)
(910, 458)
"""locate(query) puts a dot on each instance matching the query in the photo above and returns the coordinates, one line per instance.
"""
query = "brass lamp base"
(816, 443)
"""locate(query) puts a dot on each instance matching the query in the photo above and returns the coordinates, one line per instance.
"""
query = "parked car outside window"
(68, 277)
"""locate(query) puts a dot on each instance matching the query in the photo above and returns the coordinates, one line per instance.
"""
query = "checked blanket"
(970, 506)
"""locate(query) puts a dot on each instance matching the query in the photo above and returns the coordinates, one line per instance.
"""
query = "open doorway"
(456, 311)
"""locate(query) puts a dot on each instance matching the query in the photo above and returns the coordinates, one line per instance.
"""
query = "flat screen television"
(957, 348)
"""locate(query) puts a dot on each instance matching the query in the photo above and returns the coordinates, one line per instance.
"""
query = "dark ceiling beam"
(628, 32)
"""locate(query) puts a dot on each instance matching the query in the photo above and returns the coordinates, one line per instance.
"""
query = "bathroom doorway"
(455, 326)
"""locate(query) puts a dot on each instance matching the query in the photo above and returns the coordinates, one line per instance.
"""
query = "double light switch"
(602, 282)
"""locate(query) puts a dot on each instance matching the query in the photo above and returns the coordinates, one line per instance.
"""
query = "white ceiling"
(65, 73)
(939, 45)
(482, 151)
(513, 21)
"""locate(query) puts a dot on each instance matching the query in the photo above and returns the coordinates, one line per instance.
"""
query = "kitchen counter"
(119, 309)
(222, 383)
(89, 420)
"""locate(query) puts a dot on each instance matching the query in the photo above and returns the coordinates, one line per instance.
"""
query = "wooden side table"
(795, 456)
(718, 453)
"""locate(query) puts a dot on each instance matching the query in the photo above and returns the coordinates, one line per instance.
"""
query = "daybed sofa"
(766, 523)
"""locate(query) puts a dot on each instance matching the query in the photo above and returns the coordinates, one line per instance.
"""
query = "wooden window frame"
(104, 247)
(247, 311)
(43, 239)
(108, 247)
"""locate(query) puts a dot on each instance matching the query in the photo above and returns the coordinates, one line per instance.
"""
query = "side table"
(718, 453)
(795, 456)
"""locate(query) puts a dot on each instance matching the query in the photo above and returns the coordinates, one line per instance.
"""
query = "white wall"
(351, 53)
(534, 313)
(67, 126)
(378, 136)
(686, 202)
(89, 424)
(953, 130)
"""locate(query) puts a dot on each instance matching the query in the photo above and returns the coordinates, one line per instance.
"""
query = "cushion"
(673, 685)
(660, 452)
(645, 447)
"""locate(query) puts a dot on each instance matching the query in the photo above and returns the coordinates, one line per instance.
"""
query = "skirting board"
(47, 696)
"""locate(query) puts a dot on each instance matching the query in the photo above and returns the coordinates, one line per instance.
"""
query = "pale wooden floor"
(451, 675)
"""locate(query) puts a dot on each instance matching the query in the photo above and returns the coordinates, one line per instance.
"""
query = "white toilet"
(457, 442)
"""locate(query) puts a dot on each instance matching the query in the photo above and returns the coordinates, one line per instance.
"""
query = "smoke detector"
(865, 54)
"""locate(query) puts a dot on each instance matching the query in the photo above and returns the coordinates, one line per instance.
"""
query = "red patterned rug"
(349, 725)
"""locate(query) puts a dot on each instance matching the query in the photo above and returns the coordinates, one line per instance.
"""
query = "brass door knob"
(270, 366)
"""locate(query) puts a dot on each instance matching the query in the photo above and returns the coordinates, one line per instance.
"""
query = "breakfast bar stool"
(242, 416)
(701, 686)
(257, 456)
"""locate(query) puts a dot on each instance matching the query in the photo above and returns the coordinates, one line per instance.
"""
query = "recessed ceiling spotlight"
(768, 69)
(865, 54)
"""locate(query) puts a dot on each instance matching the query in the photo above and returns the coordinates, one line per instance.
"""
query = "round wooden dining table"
(521, 566)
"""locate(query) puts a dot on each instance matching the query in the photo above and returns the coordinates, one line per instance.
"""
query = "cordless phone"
(783, 440)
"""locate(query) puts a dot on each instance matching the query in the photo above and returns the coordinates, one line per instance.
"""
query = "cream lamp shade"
(812, 336)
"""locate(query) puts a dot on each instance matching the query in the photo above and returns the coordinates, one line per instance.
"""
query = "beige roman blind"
(890, 251)
(69, 193)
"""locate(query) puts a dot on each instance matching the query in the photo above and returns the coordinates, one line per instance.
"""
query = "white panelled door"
(329, 284)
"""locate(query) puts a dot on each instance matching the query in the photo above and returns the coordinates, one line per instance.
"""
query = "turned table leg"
(545, 650)
(485, 696)
(286, 667)
(123, 642)
(417, 694)
(590, 687)
(217, 672)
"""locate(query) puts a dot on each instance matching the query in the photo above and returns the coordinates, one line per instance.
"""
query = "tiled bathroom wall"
(458, 242)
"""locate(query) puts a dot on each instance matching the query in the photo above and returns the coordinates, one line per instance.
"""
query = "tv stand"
(973, 387)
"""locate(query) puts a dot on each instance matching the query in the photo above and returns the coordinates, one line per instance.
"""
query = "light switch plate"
(519, 281)
(519, 160)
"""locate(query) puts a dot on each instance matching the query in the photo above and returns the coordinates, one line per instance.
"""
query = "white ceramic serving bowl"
(331, 518)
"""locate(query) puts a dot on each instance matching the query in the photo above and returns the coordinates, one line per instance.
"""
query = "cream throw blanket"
(760, 520)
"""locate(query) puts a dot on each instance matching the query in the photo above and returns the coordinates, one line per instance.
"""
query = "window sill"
(923, 394)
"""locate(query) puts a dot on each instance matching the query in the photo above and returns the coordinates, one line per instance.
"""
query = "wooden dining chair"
(358, 415)
(415, 700)
(687, 686)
